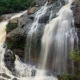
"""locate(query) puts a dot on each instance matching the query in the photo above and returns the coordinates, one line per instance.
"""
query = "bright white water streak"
(58, 40)
(38, 14)
(3, 69)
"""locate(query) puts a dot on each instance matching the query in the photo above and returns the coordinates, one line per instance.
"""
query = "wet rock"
(40, 2)
(9, 59)
(32, 16)
(44, 18)
(14, 79)
(76, 11)
(1, 18)
(5, 76)
(19, 52)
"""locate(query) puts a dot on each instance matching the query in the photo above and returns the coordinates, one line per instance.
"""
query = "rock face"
(40, 2)
(77, 13)
(9, 59)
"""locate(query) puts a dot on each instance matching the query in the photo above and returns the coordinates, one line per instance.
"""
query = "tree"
(14, 5)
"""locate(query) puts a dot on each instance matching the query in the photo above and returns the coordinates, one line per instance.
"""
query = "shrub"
(75, 55)
(18, 42)
(65, 76)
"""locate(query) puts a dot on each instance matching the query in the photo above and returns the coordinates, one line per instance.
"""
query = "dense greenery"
(75, 55)
(18, 42)
(65, 76)
(7, 6)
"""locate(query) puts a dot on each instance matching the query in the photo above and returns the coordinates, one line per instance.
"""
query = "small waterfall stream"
(32, 34)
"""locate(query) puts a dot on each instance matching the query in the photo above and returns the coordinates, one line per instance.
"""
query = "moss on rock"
(10, 26)
(18, 42)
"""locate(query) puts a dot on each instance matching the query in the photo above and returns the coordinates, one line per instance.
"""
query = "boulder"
(5, 76)
(9, 59)
(31, 10)
(76, 13)
(14, 79)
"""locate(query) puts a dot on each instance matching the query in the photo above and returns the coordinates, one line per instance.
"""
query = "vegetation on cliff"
(10, 6)
(75, 56)
(18, 42)
(10, 26)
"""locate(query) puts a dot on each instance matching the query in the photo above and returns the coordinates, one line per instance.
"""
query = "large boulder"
(77, 13)
(31, 10)
(16, 37)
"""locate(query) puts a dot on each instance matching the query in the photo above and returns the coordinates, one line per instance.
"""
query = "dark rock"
(76, 11)
(78, 33)
(40, 2)
(19, 52)
(14, 79)
(5, 76)
(1, 18)
(44, 18)
(9, 59)
(2, 79)
(32, 17)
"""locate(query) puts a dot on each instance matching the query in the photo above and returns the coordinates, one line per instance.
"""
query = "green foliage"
(7, 6)
(10, 26)
(65, 76)
(18, 42)
(75, 55)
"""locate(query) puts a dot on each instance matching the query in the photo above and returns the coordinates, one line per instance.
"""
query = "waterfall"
(3, 69)
(33, 32)
(58, 41)
(18, 63)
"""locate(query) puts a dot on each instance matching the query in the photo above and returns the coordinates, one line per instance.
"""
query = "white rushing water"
(58, 41)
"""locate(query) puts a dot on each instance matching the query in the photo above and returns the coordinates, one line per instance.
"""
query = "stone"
(14, 79)
(31, 10)
(76, 12)
(9, 59)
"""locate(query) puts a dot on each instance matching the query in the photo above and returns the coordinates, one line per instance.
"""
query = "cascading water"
(18, 63)
(32, 34)
(58, 41)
